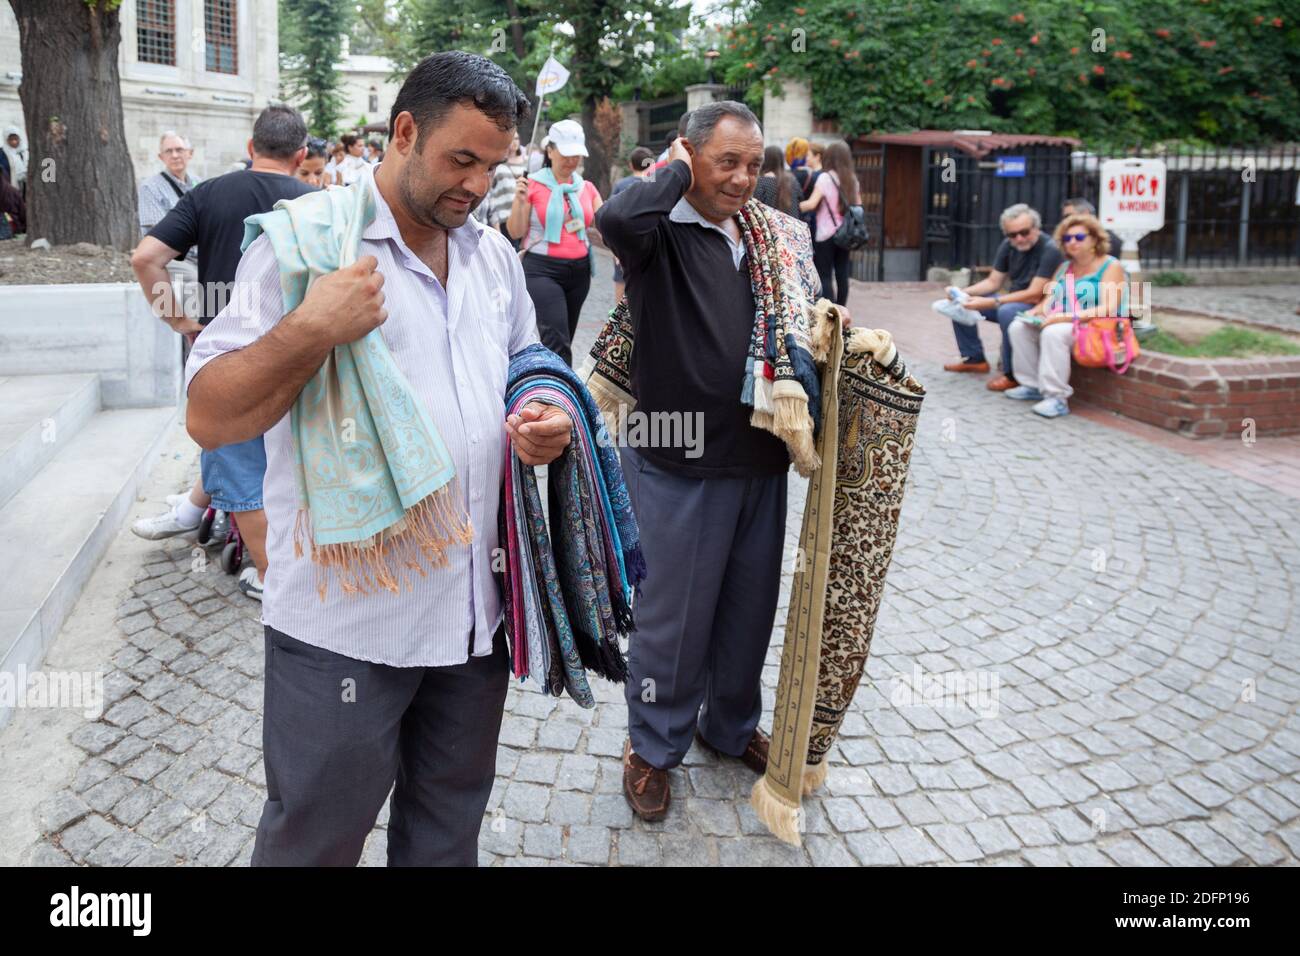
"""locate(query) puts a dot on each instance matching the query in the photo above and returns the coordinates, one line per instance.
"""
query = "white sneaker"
(166, 525)
(250, 583)
(956, 312)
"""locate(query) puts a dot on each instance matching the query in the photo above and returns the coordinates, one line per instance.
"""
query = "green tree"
(609, 46)
(311, 44)
(1109, 71)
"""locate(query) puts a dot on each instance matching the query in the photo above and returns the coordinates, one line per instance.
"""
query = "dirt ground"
(1190, 328)
(80, 262)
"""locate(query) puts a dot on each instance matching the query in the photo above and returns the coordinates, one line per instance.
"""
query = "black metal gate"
(939, 171)
(868, 263)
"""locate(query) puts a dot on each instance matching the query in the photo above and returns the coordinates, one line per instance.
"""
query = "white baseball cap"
(566, 136)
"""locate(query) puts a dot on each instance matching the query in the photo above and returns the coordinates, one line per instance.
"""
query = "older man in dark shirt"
(712, 512)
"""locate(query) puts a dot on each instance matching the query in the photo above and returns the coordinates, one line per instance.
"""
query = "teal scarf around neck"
(376, 489)
(555, 216)
(554, 225)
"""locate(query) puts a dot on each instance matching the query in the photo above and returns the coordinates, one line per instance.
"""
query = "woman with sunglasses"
(1089, 284)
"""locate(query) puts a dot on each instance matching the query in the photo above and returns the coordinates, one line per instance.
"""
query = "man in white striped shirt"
(363, 691)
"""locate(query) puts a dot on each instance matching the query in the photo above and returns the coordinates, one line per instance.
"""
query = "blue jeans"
(232, 475)
(968, 336)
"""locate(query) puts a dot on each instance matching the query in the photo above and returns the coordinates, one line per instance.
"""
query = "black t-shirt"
(211, 216)
(692, 317)
(1040, 259)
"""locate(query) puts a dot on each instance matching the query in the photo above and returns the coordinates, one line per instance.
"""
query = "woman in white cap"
(554, 209)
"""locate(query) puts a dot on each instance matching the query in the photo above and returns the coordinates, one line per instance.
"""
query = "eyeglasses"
(1074, 236)
(1019, 234)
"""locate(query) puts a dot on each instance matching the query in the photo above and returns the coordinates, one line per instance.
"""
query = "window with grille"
(155, 32)
(221, 33)
(374, 101)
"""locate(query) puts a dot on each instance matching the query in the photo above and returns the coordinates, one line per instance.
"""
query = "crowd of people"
(472, 248)
(1038, 287)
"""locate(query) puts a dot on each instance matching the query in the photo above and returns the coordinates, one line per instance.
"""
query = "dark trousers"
(832, 262)
(713, 547)
(558, 287)
(968, 336)
(337, 734)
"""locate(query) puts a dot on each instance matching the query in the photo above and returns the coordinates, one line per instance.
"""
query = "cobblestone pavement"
(1127, 613)
(1273, 305)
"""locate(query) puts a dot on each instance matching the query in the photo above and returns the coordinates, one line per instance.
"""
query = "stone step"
(59, 525)
(39, 414)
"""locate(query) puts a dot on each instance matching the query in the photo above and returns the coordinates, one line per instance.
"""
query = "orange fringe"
(425, 533)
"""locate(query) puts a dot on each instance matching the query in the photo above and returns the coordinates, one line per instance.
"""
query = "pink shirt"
(828, 221)
(569, 246)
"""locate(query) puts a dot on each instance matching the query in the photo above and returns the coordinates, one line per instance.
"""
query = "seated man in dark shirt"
(711, 512)
(1029, 258)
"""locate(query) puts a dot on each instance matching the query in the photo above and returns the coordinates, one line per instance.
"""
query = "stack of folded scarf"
(569, 588)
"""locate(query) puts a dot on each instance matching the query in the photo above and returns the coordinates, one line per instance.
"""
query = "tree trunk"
(516, 29)
(80, 182)
(597, 162)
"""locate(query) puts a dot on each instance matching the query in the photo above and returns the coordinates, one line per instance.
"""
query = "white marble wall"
(214, 110)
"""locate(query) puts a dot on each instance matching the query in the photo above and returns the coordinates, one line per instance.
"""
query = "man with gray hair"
(163, 190)
(159, 194)
(1028, 257)
(712, 517)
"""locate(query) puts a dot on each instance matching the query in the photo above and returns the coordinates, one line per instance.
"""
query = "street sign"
(1133, 195)
(1133, 201)
(1010, 166)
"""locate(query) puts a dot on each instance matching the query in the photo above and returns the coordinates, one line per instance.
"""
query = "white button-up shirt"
(453, 345)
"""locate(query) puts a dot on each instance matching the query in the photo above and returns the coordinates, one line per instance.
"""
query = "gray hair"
(703, 120)
(1018, 210)
(279, 132)
(172, 134)
(1080, 204)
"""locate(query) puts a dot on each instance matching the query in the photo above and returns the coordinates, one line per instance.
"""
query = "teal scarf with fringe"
(376, 488)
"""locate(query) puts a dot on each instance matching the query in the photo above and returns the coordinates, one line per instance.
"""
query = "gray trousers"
(330, 760)
(713, 549)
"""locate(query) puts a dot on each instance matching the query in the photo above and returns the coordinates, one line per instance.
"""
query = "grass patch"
(1171, 279)
(1231, 341)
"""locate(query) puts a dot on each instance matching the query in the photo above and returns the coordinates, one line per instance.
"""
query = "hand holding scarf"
(376, 489)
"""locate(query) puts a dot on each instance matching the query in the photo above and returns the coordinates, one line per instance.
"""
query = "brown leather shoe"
(1001, 384)
(755, 755)
(964, 366)
(645, 787)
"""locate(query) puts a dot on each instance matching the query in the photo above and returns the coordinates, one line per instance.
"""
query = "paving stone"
(871, 849)
(569, 808)
(527, 802)
(119, 849)
(104, 796)
(96, 738)
(955, 841)
(912, 847)
(60, 810)
(543, 840)
(81, 838)
(636, 848)
(588, 844)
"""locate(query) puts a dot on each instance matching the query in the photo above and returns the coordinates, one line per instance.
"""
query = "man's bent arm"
(628, 221)
(242, 394)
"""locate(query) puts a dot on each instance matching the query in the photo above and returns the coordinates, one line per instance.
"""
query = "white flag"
(552, 77)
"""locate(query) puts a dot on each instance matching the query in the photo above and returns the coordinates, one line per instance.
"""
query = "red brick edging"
(1200, 398)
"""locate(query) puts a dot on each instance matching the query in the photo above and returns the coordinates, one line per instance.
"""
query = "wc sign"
(1133, 196)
